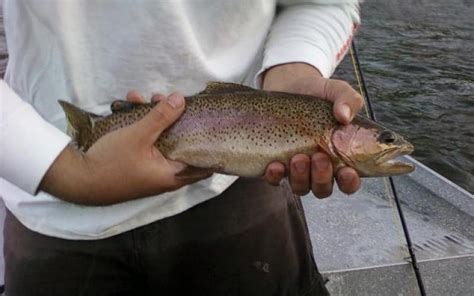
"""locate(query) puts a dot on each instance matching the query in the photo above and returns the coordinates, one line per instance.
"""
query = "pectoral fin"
(194, 173)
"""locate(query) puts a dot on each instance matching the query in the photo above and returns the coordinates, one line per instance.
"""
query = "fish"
(237, 130)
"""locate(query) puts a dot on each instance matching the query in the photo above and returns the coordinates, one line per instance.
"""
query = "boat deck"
(360, 246)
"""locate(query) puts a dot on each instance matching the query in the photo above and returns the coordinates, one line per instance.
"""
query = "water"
(418, 62)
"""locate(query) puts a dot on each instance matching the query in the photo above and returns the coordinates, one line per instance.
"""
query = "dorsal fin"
(214, 87)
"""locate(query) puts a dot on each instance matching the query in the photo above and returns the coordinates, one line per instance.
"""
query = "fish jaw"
(389, 166)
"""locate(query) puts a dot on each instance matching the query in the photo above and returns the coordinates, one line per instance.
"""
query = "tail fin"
(80, 124)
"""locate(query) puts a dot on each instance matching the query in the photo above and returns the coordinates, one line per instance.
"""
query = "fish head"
(370, 148)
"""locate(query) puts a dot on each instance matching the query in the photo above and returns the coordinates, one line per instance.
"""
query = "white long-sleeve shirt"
(92, 52)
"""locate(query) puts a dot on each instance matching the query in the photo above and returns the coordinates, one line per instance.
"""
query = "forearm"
(35, 156)
(70, 179)
(281, 77)
(84, 179)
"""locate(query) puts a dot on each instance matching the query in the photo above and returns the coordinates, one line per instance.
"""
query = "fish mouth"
(395, 167)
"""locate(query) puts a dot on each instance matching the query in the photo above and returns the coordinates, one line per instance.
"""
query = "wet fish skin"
(237, 130)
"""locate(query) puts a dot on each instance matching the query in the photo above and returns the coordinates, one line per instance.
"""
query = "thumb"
(347, 101)
(343, 112)
(163, 115)
(346, 107)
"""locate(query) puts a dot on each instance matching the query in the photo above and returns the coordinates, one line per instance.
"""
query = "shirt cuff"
(29, 144)
(306, 53)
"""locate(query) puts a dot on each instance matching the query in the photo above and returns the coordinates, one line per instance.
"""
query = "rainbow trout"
(237, 130)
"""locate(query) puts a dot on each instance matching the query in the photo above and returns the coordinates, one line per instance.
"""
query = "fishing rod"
(371, 114)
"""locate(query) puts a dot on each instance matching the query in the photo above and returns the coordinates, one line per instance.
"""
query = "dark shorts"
(250, 240)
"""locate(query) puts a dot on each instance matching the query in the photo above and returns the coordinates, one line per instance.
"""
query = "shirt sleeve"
(318, 33)
(28, 143)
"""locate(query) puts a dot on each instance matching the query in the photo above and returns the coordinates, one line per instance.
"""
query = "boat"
(360, 247)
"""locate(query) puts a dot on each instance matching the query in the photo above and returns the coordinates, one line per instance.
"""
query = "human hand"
(122, 165)
(315, 173)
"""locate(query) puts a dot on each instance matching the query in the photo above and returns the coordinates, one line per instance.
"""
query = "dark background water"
(418, 59)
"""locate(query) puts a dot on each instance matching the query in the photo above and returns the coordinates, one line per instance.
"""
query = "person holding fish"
(119, 211)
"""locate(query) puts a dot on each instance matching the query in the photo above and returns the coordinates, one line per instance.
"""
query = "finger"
(160, 118)
(274, 173)
(157, 97)
(346, 107)
(300, 174)
(321, 175)
(135, 96)
(347, 101)
(348, 180)
(120, 105)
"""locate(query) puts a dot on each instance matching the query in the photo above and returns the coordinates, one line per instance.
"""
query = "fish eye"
(386, 137)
